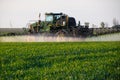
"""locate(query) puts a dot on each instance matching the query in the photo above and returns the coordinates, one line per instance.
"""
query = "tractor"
(54, 23)
(58, 24)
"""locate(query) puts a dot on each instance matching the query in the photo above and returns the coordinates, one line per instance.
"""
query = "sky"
(18, 13)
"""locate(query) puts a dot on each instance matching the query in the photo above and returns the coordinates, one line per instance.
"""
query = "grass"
(60, 61)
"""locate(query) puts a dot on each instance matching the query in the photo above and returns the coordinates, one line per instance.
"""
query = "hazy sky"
(17, 13)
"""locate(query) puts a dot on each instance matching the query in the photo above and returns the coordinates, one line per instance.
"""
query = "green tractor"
(57, 23)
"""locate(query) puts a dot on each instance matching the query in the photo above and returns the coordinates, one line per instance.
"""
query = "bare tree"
(102, 24)
(115, 22)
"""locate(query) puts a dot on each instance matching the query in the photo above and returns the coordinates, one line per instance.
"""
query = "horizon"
(17, 13)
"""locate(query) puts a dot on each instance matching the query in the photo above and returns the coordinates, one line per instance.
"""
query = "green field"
(60, 61)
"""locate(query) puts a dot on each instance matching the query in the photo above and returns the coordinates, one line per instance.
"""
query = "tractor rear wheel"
(62, 33)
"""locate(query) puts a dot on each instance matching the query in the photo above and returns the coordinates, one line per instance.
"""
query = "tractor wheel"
(62, 33)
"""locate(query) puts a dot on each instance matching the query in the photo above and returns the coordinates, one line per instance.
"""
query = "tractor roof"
(53, 13)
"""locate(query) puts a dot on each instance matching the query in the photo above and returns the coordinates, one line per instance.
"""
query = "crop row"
(60, 61)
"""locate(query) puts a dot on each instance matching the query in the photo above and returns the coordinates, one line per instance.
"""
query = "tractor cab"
(52, 17)
(56, 19)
